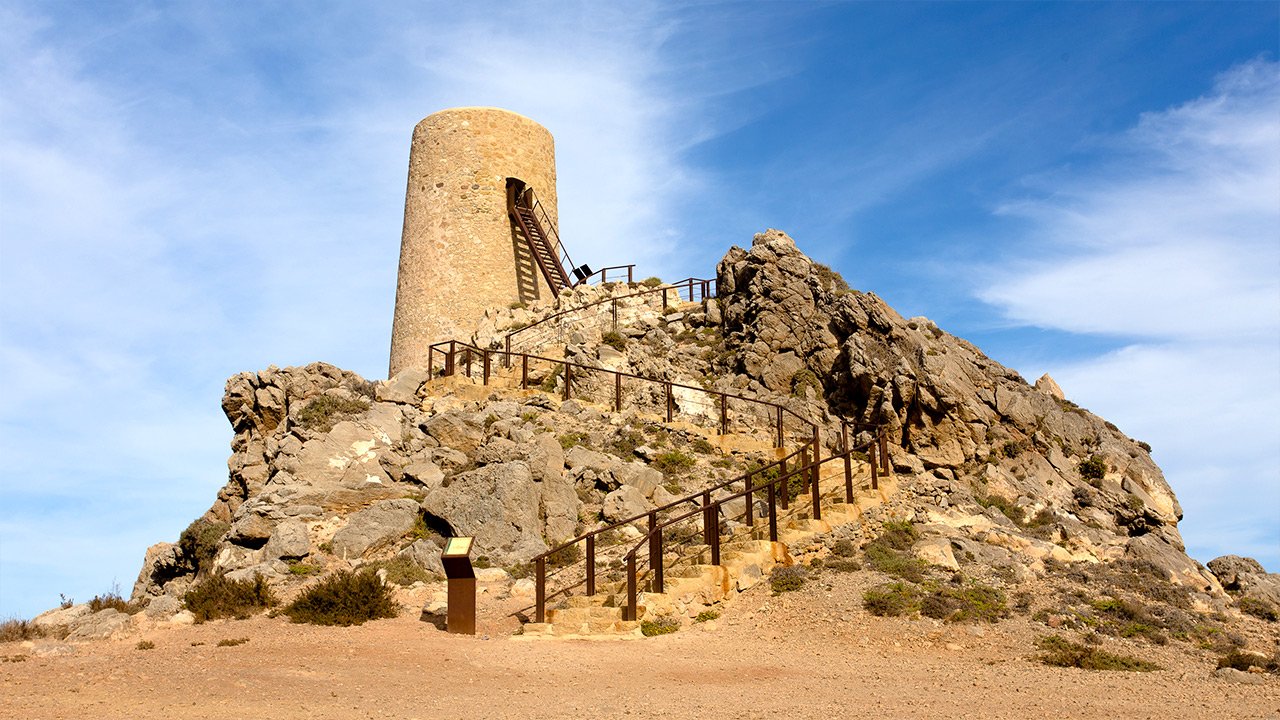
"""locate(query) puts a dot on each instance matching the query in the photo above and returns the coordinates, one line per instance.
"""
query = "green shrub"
(831, 280)
(16, 629)
(402, 570)
(344, 598)
(897, 534)
(1095, 468)
(565, 556)
(614, 339)
(549, 382)
(1004, 505)
(651, 282)
(199, 542)
(232, 642)
(113, 600)
(570, 439)
(325, 411)
(145, 645)
(219, 597)
(973, 603)
(701, 446)
(895, 562)
(1013, 448)
(840, 564)
(1258, 608)
(803, 380)
(706, 615)
(892, 600)
(1243, 661)
(301, 568)
(788, 578)
(673, 463)
(1060, 652)
(844, 548)
(660, 625)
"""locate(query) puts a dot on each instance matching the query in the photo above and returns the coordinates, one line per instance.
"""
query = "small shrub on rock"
(113, 600)
(1060, 652)
(145, 645)
(614, 339)
(344, 598)
(325, 411)
(672, 463)
(232, 642)
(788, 579)
(706, 615)
(1259, 608)
(1093, 469)
(892, 600)
(219, 597)
(402, 570)
(565, 556)
(974, 603)
(660, 625)
(199, 542)
(844, 548)
(1243, 661)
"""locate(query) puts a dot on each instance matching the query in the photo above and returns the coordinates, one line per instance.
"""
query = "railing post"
(466, 361)
(568, 380)
(664, 301)
(484, 358)
(773, 512)
(448, 359)
(813, 483)
(669, 402)
(848, 463)
(629, 612)
(779, 421)
(655, 552)
(630, 278)
(690, 289)
(724, 414)
(884, 452)
(617, 392)
(750, 501)
(714, 514)
(871, 458)
(524, 372)
(706, 518)
(506, 359)
(786, 483)
(614, 305)
(540, 614)
(591, 565)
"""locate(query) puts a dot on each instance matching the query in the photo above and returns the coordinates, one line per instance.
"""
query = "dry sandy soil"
(807, 654)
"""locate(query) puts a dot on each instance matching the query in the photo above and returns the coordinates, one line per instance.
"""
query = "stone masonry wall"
(458, 254)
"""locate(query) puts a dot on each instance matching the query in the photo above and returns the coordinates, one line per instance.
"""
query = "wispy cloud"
(1172, 244)
(174, 212)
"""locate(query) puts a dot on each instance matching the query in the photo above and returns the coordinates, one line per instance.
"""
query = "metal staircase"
(531, 220)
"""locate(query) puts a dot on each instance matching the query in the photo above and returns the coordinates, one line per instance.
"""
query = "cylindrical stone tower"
(459, 253)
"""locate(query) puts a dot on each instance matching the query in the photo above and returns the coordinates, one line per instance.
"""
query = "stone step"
(576, 615)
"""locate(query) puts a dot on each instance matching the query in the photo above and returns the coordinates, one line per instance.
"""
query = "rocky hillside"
(997, 481)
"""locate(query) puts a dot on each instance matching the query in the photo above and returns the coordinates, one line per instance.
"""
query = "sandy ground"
(808, 654)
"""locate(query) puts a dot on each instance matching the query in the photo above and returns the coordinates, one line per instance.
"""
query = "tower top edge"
(477, 110)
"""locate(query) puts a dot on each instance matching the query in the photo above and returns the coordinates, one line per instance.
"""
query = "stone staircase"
(691, 584)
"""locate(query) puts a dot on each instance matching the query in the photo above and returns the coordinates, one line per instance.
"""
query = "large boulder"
(498, 505)
(1247, 577)
(381, 521)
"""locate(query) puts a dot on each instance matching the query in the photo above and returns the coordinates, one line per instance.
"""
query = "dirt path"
(810, 654)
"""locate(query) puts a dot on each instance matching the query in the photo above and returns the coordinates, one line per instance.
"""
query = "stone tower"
(459, 253)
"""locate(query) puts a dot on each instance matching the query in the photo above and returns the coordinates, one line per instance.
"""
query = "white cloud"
(1173, 244)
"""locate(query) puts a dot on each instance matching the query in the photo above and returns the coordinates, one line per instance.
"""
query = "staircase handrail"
(708, 286)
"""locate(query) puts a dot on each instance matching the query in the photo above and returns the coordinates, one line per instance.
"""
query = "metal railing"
(695, 289)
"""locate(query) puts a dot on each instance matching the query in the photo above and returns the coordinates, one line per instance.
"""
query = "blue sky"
(190, 190)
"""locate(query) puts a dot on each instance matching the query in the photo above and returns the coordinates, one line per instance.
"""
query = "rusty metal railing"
(695, 289)
(604, 275)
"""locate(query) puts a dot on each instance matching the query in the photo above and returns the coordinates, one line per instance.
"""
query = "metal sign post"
(456, 559)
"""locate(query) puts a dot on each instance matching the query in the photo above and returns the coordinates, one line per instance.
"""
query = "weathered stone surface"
(455, 431)
(162, 607)
(498, 506)
(289, 540)
(426, 554)
(382, 521)
(424, 473)
(99, 626)
(1049, 386)
(62, 616)
(162, 563)
(639, 476)
(624, 502)
(403, 386)
(1247, 577)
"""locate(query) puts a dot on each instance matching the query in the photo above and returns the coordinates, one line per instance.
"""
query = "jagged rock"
(1238, 676)
(498, 506)
(99, 626)
(460, 433)
(1246, 576)
(424, 473)
(545, 458)
(403, 387)
(639, 476)
(163, 607)
(62, 616)
(346, 456)
(936, 551)
(623, 503)
(162, 563)
(425, 554)
(384, 520)
(289, 540)
(1049, 386)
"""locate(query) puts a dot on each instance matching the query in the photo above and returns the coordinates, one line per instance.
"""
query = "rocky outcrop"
(1247, 578)
(972, 432)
